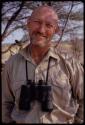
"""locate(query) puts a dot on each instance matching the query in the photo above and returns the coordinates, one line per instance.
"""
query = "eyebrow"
(54, 20)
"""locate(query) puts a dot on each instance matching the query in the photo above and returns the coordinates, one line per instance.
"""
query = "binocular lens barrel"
(40, 92)
(25, 98)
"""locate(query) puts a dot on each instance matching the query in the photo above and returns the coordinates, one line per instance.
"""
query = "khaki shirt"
(65, 77)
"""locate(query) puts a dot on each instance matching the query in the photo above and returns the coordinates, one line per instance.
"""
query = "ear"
(57, 29)
(28, 21)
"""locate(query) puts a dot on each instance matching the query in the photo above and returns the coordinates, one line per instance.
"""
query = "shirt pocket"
(61, 90)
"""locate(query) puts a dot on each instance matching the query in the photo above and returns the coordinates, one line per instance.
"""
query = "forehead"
(44, 13)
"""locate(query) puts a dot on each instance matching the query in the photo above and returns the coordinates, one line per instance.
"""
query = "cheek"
(33, 28)
(50, 33)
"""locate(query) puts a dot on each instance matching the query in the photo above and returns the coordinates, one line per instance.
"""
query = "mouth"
(39, 37)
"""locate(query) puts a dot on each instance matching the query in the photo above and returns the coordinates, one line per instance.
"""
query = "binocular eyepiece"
(42, 92)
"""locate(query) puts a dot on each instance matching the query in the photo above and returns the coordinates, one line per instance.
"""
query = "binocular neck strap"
(48, 69)
(26, 71)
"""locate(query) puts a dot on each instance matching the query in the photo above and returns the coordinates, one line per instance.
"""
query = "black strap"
(48, 69)
(26, 71)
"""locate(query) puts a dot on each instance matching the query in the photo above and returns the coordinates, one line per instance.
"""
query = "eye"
(49, 25)
(37, 21)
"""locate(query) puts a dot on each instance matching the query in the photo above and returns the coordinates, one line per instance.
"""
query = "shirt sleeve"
(7, 96)
(77, 81)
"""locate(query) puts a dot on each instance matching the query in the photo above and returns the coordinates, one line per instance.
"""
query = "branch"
(22, 18)
(18, 19)
(8, 10)
(64, 25)
(12, 19)
(71, 29)
(9, 48)
(8, 33)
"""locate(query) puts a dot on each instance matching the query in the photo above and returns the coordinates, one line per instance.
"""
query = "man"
(64, 76)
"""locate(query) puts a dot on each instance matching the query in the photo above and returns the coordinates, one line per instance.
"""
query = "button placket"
(36, 74)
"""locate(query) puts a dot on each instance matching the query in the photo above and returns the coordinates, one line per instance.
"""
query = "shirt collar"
(51, 53)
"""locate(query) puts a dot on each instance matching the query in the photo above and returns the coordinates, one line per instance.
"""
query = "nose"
(42, 28)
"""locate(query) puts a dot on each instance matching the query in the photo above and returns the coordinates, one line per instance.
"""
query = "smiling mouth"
(39, 35)
(39, 38)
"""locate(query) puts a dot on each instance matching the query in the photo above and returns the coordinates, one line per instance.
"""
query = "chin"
(39, 43)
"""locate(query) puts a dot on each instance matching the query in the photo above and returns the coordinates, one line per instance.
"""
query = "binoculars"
(42, 92)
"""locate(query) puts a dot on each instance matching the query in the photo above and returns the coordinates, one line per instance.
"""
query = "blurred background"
(15, 35)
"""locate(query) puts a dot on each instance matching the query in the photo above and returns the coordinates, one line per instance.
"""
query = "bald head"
(47, 10)
(42, 25)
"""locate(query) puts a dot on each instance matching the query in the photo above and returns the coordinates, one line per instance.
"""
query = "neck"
(37, 53)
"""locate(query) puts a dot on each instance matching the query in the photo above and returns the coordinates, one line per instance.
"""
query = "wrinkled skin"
(42, 26)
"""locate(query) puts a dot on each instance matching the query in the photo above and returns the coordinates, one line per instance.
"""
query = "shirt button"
(36, 71)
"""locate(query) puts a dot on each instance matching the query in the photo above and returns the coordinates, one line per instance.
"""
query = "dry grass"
(64, 48)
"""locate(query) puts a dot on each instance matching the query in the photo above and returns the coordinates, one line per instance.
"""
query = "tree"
(15, 14)
(15, 18)
(77, 46)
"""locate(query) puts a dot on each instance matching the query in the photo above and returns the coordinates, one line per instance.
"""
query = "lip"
(39, 38)
(39, 35)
